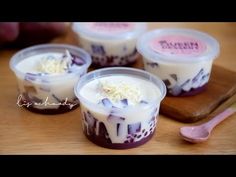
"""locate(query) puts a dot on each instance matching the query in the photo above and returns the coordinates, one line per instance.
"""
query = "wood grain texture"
(221, 86)
(23, 132)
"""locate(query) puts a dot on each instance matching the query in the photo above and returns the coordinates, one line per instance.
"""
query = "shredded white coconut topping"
(119, 91)
(53, 65)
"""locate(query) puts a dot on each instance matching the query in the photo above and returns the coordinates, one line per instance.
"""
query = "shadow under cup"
(120, 128)
(48, 94)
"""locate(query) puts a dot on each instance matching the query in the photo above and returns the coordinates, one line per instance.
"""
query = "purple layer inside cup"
(96, 132)
(107, 144)
(191, 92)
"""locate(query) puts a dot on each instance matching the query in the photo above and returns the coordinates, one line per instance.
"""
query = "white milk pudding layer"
(48, 80)
(182, 58)
(124, 108)
(110, 44)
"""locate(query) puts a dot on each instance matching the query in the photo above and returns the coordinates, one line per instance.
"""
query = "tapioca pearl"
(110, 59)
(116, 62)
(115, 58)
(155, 123)
(126, 141)
(145, 134)
(120, 63)
(139, 136)
(98, 59)
(151, 120)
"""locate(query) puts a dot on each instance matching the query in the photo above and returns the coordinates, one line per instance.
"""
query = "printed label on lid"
(110, 27)
(180, 45)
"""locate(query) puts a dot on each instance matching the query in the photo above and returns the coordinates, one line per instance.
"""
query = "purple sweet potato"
(30, 33)
(39, 32)
(8, 32)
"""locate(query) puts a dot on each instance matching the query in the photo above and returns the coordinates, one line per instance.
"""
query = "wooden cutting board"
(222, 86)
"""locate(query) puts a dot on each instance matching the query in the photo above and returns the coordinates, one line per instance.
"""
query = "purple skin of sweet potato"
(8, 32)
(30, 33)
(39, 32)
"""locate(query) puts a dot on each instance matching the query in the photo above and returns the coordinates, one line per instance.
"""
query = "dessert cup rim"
(144, 49)
(94, 75)
(78, 27)
(81, 53)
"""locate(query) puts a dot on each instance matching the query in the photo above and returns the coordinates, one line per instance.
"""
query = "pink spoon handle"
(219, 118)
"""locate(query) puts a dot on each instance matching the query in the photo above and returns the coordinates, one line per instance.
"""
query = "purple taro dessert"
(119, 106)
(110, 44)
(182, 58)
(46, 76)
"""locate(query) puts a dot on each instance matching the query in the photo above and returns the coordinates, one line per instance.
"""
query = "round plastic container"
(110, 44)
(182, 58)
(48, 93)
(119, 127)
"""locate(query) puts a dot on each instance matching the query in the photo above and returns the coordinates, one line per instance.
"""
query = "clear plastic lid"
(45, 48)
(178, 45)
(109, 30)
(113, 71)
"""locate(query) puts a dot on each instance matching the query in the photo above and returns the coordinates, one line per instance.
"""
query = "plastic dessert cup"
(182, 58)
(119, 106)
(46, 76)
(110, 44)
